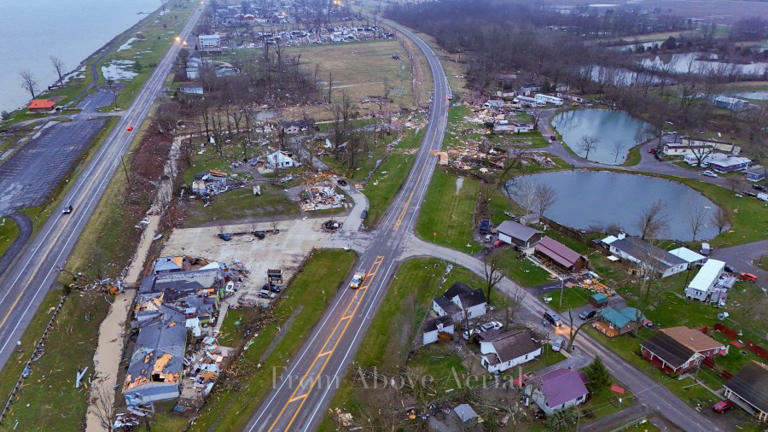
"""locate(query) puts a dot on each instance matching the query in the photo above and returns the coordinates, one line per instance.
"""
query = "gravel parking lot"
(285, 250)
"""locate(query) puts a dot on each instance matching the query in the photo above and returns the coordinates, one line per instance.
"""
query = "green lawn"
(232, 402)
(387, 343)
(573, 297)
(633, 158)
(8, 233)
(762, 262)
(447, 212)
(241, 204)
(521, 269)
(388, 179)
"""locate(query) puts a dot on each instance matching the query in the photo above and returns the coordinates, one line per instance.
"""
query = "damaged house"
(460, 302)
(168, 306)
(154, 370)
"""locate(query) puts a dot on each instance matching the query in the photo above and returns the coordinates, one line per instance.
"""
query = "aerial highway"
(302, 394)
(300, 399)
(26, 282)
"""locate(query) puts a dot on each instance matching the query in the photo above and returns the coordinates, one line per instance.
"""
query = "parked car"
(485, 226)
(491, 325)
(749, 277)
(357, 280)
(553, 319)
(364, 214)
(271, 287)
(760, 187)
(557, 344)
(468, 333)
(729, 268)
(588, 314)
(709, 173)
(652, 150)
(722, 406)
(266, 294)
(498, 243)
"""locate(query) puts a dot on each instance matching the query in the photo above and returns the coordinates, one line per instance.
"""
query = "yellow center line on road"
(326, 352)
(400, 218)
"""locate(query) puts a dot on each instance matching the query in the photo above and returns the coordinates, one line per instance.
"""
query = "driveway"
(741, 257)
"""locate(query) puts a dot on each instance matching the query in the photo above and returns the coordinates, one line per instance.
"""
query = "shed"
(598, 300)
(41, 105)
(511, 232)
(755, 173)
(560, 254)
(465, 413)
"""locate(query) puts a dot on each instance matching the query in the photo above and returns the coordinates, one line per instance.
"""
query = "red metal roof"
(41, 104)
(557, 252)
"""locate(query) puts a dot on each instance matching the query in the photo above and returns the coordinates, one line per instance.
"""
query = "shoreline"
(102, 51)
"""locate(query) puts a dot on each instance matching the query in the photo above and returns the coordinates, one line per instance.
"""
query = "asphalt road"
(300, 399)
(24, 285)
(304, 389)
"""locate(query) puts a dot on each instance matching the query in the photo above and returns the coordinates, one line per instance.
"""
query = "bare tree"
(652, 221)
(58, 66)
(720, 219)
(587, 145)
(618, 146)
(573, 331)
(700, 153)
(544, 197)
(28, 82)
(492, 273)
(697, 218)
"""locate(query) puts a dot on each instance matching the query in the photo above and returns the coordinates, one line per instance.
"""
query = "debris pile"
(321, 196)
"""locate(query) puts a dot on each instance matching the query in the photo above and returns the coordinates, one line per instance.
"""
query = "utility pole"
(562, 289)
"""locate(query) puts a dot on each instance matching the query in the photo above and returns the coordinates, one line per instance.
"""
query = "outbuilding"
(517, 234)
(748, 389)
(434, 328)
(561, 255)
(688, 255)
(41, 105)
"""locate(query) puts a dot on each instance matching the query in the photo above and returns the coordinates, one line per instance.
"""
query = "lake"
(614, 132)
(34, 30)
(596, 200)
(754, 95)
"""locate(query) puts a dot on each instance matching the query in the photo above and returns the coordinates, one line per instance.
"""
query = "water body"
(701, 63)
(599, 199)
(614, 132)
(34, 30)
(754, 95)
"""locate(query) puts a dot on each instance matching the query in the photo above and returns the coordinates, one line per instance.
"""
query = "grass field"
(241, 204)
(310, 291)
(389, 177)
(571, 298)
(387, 343)
(762, 262)
(522, 270)
(361, 69)
(448, 212)
(8, 233)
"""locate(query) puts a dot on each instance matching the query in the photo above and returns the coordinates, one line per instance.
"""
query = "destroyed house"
(196, 293)
(460, 302)
(155, 367)
(168, 264)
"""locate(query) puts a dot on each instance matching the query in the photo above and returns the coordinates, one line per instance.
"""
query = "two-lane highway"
(25, 283)
(299, 400)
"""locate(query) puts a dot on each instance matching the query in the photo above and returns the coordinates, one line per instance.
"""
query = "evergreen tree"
(598, 378)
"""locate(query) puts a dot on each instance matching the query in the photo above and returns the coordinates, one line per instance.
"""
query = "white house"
(557, 390)
(434, 327)
(280, 159)
(460, 302)
(688, 255)
(703, 284)
(509, 349)
(545, 99)
(494, 104)
(648, 256)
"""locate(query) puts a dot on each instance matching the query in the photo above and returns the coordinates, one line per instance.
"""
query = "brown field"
(361, 70)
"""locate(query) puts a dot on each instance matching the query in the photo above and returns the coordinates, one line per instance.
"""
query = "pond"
(754, 95)
(613, 133)
(701, 64)
(598, 200)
